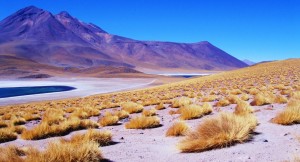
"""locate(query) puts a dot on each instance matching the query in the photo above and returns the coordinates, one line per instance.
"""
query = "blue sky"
(247, 29)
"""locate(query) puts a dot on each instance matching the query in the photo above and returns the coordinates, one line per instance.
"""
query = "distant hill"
(61, 40)
(248, 62)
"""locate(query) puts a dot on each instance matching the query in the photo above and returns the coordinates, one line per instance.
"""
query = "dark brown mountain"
(61, 40)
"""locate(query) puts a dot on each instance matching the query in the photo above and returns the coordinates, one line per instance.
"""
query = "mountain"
(63, 41)
(248, 62)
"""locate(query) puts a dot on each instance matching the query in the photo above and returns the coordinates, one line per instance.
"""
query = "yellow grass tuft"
(109, 120)
(281, 99)
(263, 98)
(222, 103)
(132, 107)
(243, 108)
(122, 114)
(10, 154)
(209, 98)
(245, 97)
(143, 122)
(160, 106)
(103, 138)
(150, 112)
(179, 128)
(7, 134)
(290, 115)
(194, 111)
(176, 103)
(58, 151)
(220, 131)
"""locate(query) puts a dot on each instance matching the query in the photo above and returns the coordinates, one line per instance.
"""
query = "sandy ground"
(84, 87)
(272, 142)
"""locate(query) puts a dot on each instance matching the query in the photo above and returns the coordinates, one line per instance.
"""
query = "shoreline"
(84, 87)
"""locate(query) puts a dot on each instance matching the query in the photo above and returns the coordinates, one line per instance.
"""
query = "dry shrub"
(143, 122)
(209, 98)
(179, 128)
(245, 97)
(219, 131)
(53, 116)
(44, 130)
(281, 99)
(290, 115)
(222, 103)
(194, 111)
(122, 114)
(176, 103)
(243, 108)
(103, 138)
(30, 117)
(263, 98)
(150, 112)
(233, 99)
(3, 124)
(160, 106)
(132, 107)
(58, 151)
(236, 92)
(109, 120)
(11, 154)
(18, 121)
(7, 134)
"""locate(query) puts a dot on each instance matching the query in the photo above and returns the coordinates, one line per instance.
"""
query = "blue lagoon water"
(22, 91)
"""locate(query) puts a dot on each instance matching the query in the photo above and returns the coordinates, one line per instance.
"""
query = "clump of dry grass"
(194, 111)
(44, 130)
(290, 115)
(11, 154)
(220, 131)
(53, 116)
(179, 128)
(143, 122)
(176, 103)
(149, 112)
(122, 114)
(58, 151)
(160, 106)
(3, 124)
(30, 117)
(281, 99)
(263, 98)
(109, 120)
(245, 97)
(7, 134)
(132, 107)
(209, 98)
(103, 138)
(222, 103)
(233, 99)
(243, 108)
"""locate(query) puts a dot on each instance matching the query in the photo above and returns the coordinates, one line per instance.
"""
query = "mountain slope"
(64, 41)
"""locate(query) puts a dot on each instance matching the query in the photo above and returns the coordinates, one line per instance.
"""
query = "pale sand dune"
(84, 87)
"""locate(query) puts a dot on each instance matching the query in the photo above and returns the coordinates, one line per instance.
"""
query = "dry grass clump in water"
(103, 138)
(7, 134)
(243, 108)
(179, 128)
(220, 131)
(160, 106)
(194, 111)
(176, 103)
(150, 112)
(290, 115)
(143, 122)
(132, 107)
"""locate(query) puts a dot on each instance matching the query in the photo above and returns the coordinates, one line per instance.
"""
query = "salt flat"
(84, 87)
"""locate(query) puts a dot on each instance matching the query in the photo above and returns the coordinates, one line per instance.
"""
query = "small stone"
(265, 140)
(122, 138)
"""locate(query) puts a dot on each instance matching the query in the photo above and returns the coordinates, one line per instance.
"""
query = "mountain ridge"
(64, 41)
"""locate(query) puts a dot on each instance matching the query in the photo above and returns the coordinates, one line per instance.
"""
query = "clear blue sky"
(247, 29)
